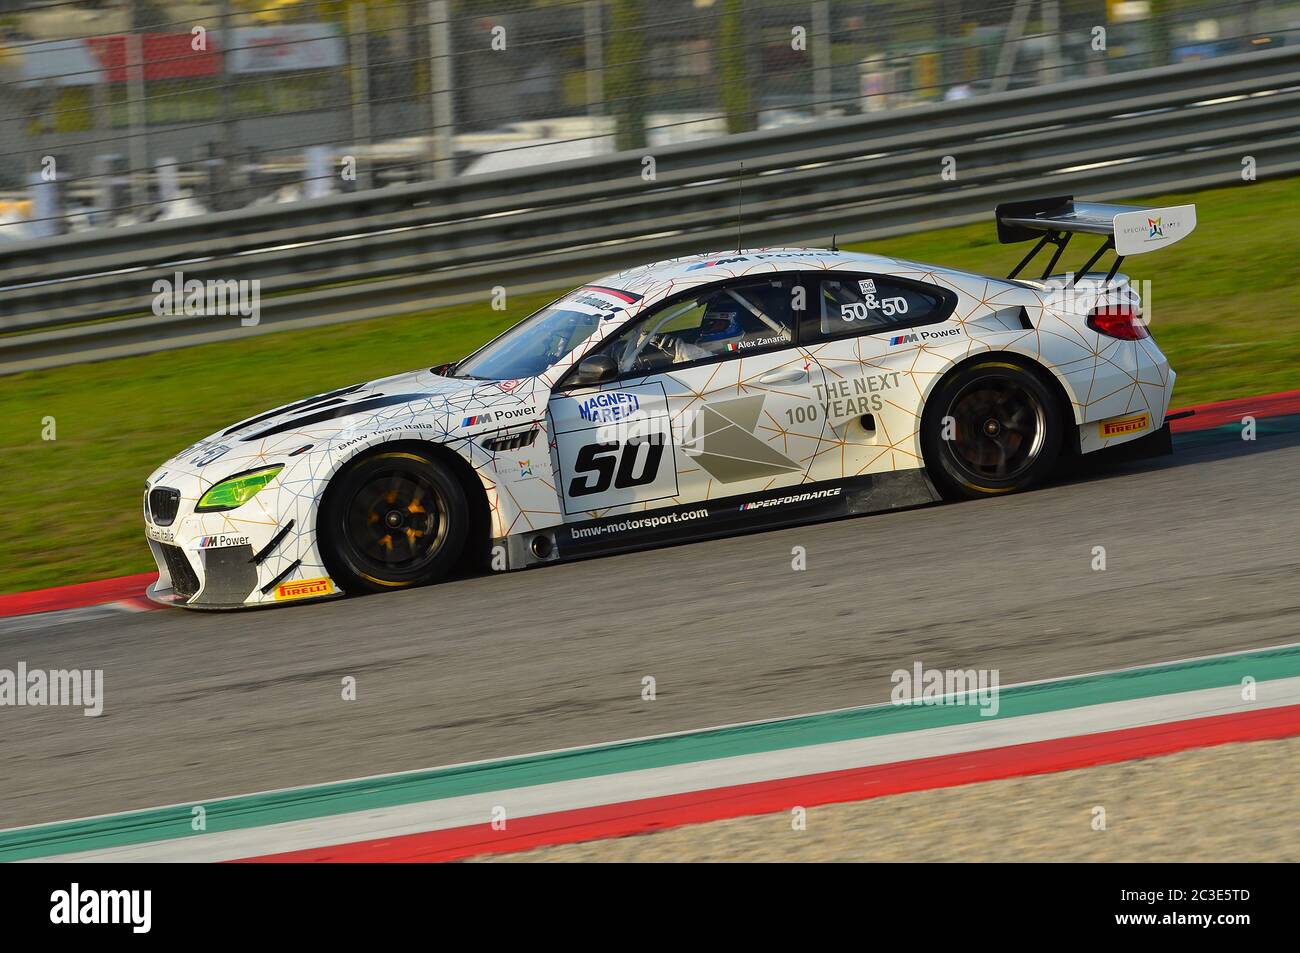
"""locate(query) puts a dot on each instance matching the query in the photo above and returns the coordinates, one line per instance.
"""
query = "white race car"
(695, 397)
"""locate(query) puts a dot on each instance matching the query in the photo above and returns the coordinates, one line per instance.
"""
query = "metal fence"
(393, 250)
(116, 113)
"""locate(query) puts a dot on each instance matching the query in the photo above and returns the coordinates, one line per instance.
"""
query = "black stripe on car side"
(260, 557)
(345, 410)
(276, 581)
(334, 397)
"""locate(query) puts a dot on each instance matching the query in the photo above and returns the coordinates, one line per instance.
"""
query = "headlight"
(236, 491)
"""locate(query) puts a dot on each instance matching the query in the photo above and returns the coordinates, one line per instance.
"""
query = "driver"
(719, 331)
(720, 327)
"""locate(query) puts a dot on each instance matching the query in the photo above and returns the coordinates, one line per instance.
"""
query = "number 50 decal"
(605, 458)
(621, 466)
(861, 310)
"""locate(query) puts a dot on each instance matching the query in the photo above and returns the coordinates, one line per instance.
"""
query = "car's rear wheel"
(992, 427)
(392, 520)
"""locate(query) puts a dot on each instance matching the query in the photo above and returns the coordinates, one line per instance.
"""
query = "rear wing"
(1129, 229)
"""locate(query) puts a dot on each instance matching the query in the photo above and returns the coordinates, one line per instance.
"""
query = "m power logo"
(913, 337)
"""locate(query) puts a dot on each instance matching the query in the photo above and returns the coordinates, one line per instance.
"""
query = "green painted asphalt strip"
(275, 807)
(1264, 427)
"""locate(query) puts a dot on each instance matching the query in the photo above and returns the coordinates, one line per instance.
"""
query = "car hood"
(441, 408)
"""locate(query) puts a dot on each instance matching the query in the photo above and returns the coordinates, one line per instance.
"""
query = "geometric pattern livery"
(722, 441)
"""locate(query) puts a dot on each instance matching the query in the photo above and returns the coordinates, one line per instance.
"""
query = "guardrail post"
(46, 219)
(360, 75)
(229, 124)
(139, 120)
(317, 174)
(113, 189)
(1010, 45)
(442, 151)
(594, 58)
(168, 187)
(821, 57)
(1052, 30)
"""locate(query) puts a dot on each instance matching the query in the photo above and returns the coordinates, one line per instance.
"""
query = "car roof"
(659, 279)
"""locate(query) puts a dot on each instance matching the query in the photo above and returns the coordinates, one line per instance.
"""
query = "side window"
(850, 305)
(719, 323)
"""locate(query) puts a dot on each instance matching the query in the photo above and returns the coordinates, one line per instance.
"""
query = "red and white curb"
(80, 602)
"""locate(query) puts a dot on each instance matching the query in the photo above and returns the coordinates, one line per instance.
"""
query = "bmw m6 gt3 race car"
(695, 397)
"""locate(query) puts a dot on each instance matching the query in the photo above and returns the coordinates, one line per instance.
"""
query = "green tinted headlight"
(237, 490)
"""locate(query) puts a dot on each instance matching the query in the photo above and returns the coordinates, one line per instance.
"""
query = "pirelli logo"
(1121, 426)
(303, 589)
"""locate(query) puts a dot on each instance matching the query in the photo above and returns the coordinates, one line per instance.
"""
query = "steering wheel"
(654, 355)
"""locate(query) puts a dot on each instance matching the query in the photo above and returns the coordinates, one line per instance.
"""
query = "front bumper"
(227, 577)
(217, 578)
(232, 559)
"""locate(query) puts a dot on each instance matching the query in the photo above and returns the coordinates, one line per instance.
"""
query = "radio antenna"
(740, 204)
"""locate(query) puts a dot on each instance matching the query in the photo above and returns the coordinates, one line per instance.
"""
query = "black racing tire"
(1006, 432)
(393, 519)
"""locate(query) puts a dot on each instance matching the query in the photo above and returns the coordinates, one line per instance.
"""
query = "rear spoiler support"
(1128, 229)
(1106, 246)
(1059, 239)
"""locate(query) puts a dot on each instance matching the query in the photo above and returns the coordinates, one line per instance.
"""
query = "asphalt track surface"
(1202, 551)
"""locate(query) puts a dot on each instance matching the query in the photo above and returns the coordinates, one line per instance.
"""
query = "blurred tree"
(733, 49)
(625, 73)
(150, 16)
(380, 14)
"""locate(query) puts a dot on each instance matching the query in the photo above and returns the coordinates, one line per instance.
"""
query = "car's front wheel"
(992, 427)
(392, 520)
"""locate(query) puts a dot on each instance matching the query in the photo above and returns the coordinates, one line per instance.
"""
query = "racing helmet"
(721, 320)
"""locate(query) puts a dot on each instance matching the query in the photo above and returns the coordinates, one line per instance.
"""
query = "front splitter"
(169, 597)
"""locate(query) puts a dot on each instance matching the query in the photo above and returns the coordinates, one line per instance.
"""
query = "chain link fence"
(115, 113)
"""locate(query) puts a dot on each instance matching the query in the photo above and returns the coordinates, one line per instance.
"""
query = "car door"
(713, 398)
(869, 332)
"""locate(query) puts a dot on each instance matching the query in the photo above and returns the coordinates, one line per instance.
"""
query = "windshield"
(543, 339)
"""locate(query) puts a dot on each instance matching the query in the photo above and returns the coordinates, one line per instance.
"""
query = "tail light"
(1123, 321)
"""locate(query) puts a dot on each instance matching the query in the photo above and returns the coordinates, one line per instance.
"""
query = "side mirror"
(594, 369)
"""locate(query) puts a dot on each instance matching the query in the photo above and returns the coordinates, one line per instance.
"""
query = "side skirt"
(724, 516)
